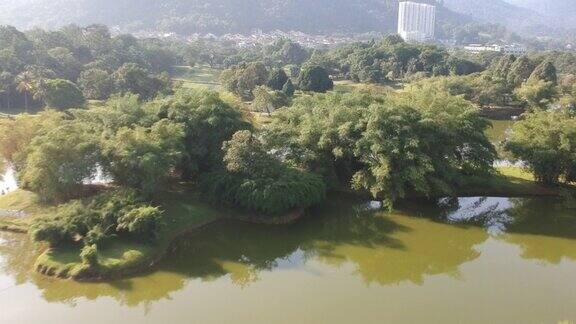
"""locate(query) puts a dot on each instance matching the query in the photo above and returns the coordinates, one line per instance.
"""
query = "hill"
(559, 12)
(498, 12)
(213, 16)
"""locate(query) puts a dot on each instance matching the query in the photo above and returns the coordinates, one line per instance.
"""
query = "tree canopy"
(545, 141)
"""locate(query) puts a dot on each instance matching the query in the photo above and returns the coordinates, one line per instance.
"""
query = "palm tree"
(26, 84)
(31, 82)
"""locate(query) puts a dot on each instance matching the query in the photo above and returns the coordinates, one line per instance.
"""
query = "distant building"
(477, 48)
(416, 21)
(514, 49)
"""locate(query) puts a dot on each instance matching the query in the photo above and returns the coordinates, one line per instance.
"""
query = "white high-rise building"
(416, 21)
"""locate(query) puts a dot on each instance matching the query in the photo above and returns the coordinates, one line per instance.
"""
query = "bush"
(144, 221)
(256, 181)
(95, 219)
(72, 222)
(288, 190)
(89, 255)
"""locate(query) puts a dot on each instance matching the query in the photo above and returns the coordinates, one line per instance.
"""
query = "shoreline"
(188, 213)
(150, 262)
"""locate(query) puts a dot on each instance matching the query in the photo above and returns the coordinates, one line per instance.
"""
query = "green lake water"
(469, 260)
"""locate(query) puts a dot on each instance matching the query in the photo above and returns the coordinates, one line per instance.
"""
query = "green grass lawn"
(346, 86)
(198, 76)
(511, 182)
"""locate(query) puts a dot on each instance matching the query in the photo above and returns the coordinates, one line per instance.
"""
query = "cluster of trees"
(255, 180)
(545, 141)
(61, 69)
(422, 141)
(272, 89)
(389, 59)
(226, 54)
(140, 147)
(427, 140)
(532, 82)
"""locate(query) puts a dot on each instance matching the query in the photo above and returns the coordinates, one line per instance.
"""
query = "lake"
(468, 260)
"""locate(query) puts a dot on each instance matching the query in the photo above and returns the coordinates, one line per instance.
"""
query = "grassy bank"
(185, 212)
(119, 257)
(511, 182)
(18, 208)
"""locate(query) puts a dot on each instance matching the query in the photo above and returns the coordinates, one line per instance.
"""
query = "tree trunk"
(26, 101)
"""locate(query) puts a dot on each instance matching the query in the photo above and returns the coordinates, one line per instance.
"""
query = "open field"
(198, 76)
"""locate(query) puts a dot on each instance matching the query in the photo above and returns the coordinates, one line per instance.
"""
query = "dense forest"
(67, 67)
(49, 68)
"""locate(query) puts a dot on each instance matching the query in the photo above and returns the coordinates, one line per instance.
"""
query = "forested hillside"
(497, 12)
(214, 16)
(561, 12)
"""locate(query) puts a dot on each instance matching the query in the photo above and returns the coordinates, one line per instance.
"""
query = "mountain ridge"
(215, 16)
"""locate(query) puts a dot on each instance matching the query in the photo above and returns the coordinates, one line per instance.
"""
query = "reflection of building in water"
(416, 21)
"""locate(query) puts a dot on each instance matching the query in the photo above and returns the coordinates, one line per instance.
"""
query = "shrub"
(89, 255)
(287, 190)
(144, 221)
(256, 181)
(95, 219)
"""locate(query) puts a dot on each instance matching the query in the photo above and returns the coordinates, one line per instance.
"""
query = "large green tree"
(545, 141)
(62, 94)
(131, 78)
(254, 180)
(58, 162)
(277, 79)
(208, 121)
(422, 141)
(96, 84)
(315, 79)
(546, 72)
(142, 157)
(538, 94)
(520, 71)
